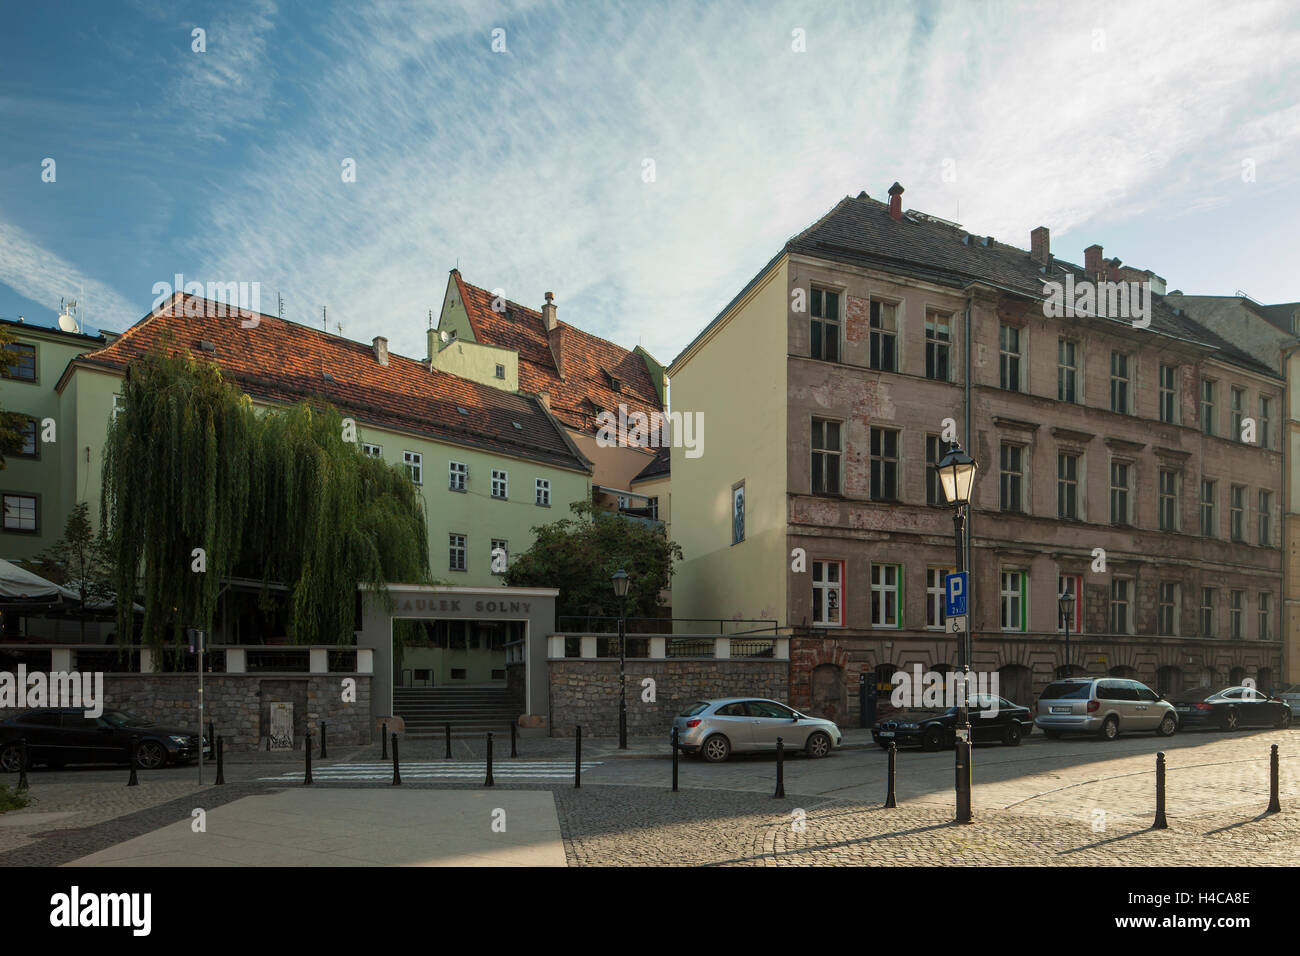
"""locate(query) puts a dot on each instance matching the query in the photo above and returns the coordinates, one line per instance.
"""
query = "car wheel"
(932, 738)
(1167, 726)
(1231, 720)
(818, 745)
(1052, 734)
(150, 755)
(11, 759)
(1284, 721)
(1011, 736)
(1110, 729)
(716, 749)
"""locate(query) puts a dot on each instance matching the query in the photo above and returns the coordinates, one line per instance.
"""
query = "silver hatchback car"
(718, 728)
(1105, 706)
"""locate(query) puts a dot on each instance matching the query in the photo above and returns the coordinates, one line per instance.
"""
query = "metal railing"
(217, 659)
(604, 624)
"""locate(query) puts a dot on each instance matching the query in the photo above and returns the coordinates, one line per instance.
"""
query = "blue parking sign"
(955, 593)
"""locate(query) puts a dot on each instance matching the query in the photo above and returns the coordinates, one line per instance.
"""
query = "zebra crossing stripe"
(443, 769)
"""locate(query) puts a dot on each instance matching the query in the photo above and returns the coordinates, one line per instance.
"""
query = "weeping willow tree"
(189, 464)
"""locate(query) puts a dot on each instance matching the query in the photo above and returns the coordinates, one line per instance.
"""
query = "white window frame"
(881, 590)
(936, 598)
(414, 462)
(1126, 584)
(1013, 587)
(457, 544)
(457, 476)
(824, 588)
(542, 492)
(500, 480)
(1073, 583)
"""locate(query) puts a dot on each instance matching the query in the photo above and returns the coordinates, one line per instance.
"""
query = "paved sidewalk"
(337, 827)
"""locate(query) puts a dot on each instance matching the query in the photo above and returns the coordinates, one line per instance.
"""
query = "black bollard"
(221, 762)
(489, 782)
(780, 768)
(1161, 823)
(306, 749)
(1274, 804)
(383, 735)
(577, 759)
(675, 754)
(212, 736)
(890, 799)
(22, 764)
(862, 699)
(448, 741)
(514, 739)
(322, 740)
(397, 771)
(135, 780)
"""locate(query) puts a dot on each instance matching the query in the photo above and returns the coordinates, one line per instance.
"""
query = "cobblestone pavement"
(1052, 803)
(641, 827)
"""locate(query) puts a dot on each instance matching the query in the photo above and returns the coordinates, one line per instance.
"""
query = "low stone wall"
(239, 704)
(586, 692)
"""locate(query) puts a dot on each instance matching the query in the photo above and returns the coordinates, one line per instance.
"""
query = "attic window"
(501, 371)
(207, 346)
(518, 427)
(462, 410)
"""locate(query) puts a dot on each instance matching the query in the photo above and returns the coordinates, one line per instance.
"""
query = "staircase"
(469, 710)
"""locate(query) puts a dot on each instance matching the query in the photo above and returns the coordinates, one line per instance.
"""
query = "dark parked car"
(936, 729)
(60, 736)
(1228, 708)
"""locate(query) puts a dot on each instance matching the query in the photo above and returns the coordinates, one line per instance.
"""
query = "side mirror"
(795, 718)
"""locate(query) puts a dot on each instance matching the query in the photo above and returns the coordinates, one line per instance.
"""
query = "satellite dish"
(67, 323)
(68, 315)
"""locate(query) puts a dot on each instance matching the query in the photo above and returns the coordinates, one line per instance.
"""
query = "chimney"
(548, 312)
(895, 202)
(554, 333)
(381, 349)
(1092, 262)
(1040, 246)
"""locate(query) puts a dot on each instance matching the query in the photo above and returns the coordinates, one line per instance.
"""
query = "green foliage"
(12, 799)
(11, 423)
(190, 464)
(579, 556)
(78, 561)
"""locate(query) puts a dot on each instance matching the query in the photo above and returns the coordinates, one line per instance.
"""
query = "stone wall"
(586, 692)
(239, 704)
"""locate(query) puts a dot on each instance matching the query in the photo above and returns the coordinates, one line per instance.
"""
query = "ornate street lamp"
(957, 476)
(620, 581)
(1066, 604)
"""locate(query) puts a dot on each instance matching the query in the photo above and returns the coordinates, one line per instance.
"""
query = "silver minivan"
(1104, 706)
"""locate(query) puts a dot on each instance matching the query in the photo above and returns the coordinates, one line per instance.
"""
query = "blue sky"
(1124, 124)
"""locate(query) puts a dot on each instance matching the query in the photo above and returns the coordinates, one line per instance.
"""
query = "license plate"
(1183, 707)
(886, 733)
(1060, 710)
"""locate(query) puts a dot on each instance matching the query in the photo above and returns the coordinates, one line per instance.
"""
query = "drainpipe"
(970, 509)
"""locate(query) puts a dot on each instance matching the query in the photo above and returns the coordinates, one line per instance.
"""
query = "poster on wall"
(281, 737)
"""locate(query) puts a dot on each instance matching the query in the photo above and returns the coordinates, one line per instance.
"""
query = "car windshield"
(1063, 690)
(122, 718)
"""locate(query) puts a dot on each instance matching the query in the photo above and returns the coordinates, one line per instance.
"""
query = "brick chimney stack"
(1092, 262)
(1040, 245)
(554, 333)
(381, 349)
(896, 202)
(548, 312)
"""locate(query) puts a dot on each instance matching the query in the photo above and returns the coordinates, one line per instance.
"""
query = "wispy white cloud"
(33, 271)
(231, 83)
(526, 167)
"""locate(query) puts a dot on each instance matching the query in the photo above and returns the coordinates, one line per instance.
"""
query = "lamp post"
(957, 475)
(1066, 604)
(621, 581)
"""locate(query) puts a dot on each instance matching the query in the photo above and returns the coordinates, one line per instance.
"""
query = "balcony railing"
(594, 647)
(224, 659)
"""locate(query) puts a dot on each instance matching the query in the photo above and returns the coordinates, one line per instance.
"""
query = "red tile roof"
(585, 387)
(283, 362)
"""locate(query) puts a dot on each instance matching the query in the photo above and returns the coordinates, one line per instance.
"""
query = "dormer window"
(501, 371)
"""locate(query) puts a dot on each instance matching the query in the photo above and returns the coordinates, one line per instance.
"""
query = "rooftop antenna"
(324, 322)
(68, 321)
(279, 305)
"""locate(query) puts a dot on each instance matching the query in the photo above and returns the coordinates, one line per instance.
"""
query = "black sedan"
(991, 719)
(1229, 708)
(57, 737)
